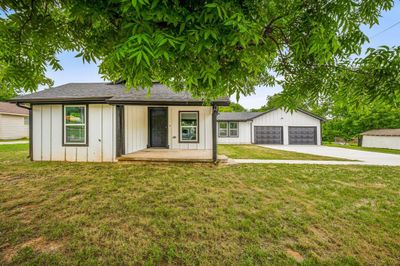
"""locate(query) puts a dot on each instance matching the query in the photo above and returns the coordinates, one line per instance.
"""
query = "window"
(26, 121)
(75, 125)
(228, 129)
(189, 125)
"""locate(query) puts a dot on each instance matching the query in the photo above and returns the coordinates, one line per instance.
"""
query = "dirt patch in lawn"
(295, 255)
(39, 244)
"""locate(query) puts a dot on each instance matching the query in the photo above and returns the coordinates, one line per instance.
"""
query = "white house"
(381, 138)
(100, 122)
(14, 121)
(272, 127)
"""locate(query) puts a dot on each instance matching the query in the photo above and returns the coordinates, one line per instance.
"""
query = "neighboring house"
(272, 127)
(14, 121)
(103, 121)
(382, 138)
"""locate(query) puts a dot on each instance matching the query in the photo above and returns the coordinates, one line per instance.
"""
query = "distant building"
(14, 121)
(382, 138)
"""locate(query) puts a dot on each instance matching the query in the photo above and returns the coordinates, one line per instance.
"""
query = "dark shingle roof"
(237, 116)
(383, 132)
(10, 108)
(111, 93)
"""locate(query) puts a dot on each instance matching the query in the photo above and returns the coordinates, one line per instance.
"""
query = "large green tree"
(233, 107)
(210, 48)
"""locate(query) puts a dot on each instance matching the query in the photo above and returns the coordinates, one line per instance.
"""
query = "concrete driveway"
(364, 157)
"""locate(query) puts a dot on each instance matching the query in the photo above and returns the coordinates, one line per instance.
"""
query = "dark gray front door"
(158, 127)
(303, 135)
(268, 135)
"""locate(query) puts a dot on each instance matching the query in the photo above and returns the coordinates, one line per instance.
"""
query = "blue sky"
(76, 71)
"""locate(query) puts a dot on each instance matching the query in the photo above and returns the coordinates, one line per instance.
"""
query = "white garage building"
(272, 127)
(382, 138)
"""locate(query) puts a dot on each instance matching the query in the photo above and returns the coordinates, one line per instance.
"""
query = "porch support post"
(214, 131)
(120, 131)
(30, 134)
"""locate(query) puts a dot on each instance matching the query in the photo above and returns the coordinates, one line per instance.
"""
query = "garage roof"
(248, 116)
(383, 132)
(238, 116)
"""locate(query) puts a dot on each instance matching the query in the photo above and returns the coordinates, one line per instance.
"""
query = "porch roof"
(113, 94)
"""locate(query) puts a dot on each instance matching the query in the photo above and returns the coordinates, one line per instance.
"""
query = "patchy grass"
(107, 213)
(11, 140)
(257, 152)
(356, 147)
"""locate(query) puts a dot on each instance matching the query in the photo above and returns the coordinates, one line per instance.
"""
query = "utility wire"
(388, 28)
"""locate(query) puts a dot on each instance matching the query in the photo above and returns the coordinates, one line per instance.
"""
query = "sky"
(383, 34)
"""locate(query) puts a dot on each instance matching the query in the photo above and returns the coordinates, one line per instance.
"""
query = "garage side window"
(75, 125)
(228, 129)
(189, 126)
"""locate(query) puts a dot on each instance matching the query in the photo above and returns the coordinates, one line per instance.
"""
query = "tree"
(233, 107)
(209, 48)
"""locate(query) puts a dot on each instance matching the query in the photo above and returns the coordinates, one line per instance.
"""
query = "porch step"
(124, 158)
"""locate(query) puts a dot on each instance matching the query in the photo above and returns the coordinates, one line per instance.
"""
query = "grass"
(356, 147)
(257, 152)
(11, 140)
(55, 213)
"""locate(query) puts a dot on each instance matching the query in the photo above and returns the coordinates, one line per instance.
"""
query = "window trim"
(228, 128)
(63, 129)
(197, 128)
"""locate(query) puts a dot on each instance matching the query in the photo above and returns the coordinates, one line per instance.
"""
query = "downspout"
(214, 132)
(30, 156)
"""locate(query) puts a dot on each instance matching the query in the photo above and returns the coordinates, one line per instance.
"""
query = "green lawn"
(113, 213)
(10, 140)
(356, 147)
(257, 152)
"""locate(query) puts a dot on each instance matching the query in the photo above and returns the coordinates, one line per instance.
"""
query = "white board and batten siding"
(244, 135)
(136, 127)
(47, 135)
(136, 134)
(279, 117)
(388, 142)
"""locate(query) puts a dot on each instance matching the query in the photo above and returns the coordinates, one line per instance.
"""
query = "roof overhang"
(114, 102)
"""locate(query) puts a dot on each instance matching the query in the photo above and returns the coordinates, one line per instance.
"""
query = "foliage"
(350, 120)
(233, 107)
(210, 48)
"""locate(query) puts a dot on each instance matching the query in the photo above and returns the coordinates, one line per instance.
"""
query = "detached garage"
(381, 138)
(272, 127)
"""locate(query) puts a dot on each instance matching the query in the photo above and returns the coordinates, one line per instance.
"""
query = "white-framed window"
(75, 125)
(228, 129)
(189, 126)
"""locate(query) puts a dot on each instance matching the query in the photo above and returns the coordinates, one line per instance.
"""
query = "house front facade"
(101, 122)
(14, 122)
(275, 126)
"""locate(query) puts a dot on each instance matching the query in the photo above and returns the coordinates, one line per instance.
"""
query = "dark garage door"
(303, 135)
(268, 135)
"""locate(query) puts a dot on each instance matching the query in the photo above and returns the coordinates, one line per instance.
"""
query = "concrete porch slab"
(172, 155)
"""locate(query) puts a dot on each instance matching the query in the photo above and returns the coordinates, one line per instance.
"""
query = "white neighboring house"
(102, 122)
(272, 127)
(14, 122)
(381, 138)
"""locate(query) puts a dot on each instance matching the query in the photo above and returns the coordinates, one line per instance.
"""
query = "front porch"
(172, 155)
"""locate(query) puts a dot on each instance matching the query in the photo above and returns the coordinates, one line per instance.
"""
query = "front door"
(158, 127)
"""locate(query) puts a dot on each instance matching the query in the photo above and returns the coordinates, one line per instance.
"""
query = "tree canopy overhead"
(210, 48)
